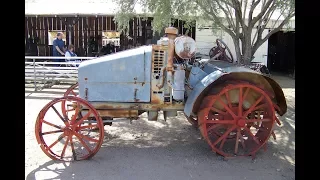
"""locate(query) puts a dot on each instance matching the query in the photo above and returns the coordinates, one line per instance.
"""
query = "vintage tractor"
(230, 104)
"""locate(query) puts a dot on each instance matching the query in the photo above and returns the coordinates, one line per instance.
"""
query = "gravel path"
(162, 150)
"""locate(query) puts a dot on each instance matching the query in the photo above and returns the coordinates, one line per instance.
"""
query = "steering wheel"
(220, 51)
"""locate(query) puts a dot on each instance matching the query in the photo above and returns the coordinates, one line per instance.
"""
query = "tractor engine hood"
(119, 77)
(125, 66)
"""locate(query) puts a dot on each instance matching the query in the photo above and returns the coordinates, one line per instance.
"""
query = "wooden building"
(83, 29)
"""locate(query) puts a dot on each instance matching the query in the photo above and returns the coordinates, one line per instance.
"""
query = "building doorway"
(281, 52)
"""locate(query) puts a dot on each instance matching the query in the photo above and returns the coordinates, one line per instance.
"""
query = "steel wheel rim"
(231, 122)
(63, 146)
(69, 92)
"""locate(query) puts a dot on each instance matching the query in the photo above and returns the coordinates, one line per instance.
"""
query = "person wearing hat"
(58, 47)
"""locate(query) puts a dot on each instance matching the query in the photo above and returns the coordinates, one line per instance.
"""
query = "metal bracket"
(86, 94)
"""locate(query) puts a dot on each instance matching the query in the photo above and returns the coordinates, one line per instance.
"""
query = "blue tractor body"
(132, 77)
(121, 77)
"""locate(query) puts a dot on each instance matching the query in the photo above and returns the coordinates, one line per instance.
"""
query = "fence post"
(34, 73)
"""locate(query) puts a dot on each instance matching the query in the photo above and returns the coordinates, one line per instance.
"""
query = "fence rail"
(41, 72)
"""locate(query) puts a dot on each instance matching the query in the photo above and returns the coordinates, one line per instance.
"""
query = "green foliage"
(163, 12)
(235, 17)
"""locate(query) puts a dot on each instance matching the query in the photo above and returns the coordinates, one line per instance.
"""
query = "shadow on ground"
(172, 150)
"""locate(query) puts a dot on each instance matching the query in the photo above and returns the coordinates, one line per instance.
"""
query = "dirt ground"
(161, 150)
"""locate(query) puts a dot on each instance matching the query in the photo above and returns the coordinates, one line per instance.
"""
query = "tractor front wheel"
(76, 135)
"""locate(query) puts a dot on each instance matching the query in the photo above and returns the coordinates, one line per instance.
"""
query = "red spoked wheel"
(240, 113)
(71, 137)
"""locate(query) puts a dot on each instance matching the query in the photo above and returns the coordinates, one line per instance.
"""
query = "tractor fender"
(234, 73)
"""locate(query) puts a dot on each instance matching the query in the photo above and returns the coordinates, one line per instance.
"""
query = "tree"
(237, 18)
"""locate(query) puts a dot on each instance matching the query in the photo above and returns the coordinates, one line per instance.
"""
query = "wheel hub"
(241, 123)
(238, 120)
(67, 131)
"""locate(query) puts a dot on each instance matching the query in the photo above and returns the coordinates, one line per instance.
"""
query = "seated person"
(70, 53)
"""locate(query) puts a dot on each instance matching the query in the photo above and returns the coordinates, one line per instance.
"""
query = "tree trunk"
(247, 49)
(237, 49)
(247, 55)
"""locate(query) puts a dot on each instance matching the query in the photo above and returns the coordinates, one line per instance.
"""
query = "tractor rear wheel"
(76, 135)
(236, 113)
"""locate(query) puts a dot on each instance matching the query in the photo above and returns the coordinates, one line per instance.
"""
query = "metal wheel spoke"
(220, 122)
(217, 110)
(240, 102)
(82, 119)
(253, 137)
(65, 146)
(258, 120)
(75, 115)
(50, 124)
(51, 132)
(245, 93)
(62, 119)
(73, 93)
(260, 106)
(86, 137)
(213, 127)
(59, 139)
(83, 143)
(253, 106)
(228, 99)
(224, 135)
(227, 108)
(222, 143)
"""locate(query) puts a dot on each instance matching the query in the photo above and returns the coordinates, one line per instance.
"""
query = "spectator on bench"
(70, 53)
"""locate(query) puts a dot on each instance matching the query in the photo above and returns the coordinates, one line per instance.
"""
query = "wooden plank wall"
(84, 27)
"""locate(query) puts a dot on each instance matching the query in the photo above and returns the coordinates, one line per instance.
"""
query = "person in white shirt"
(70, 53)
